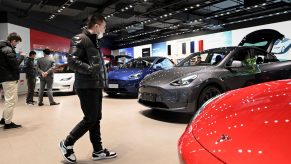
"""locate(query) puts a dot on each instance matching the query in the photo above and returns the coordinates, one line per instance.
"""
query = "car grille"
(154, 104)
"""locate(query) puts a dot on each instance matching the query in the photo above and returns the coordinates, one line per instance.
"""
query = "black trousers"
(31, 86)
(91, 104)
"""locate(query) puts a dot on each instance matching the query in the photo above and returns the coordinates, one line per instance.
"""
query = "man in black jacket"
(85, 58)
(31, 73)
(9, 76)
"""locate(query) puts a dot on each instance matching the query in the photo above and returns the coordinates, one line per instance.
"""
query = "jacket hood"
(3, 43)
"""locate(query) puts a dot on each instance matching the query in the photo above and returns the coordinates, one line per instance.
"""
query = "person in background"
(198, 60)
(85, 59)
(9, 76)
(45, 69)
(31, 73)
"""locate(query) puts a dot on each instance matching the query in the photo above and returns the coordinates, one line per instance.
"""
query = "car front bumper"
(175, 99)
(122, 86)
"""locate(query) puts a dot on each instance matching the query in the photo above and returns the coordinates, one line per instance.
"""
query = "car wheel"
(207, 93)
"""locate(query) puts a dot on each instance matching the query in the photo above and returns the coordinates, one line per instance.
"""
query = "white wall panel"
(24, 34)
(3, 31)
(137, 51)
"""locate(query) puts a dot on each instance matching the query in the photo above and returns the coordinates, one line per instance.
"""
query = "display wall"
(180, 48)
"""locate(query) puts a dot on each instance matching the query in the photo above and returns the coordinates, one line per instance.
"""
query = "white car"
(63, 81)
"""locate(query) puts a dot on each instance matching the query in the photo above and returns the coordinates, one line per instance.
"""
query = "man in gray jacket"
(45, 69)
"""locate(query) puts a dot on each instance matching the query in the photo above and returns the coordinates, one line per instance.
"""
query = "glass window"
(164, 64)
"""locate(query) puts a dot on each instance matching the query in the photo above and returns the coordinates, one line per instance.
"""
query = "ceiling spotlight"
(130, 6)
(197, 5)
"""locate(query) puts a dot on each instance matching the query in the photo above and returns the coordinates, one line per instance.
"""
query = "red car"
(249, 125)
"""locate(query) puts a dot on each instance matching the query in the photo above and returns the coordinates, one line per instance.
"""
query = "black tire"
(112, 94)
(207, 93)
(74, 91)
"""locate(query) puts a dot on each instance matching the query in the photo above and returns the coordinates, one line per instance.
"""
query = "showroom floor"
(137, 134)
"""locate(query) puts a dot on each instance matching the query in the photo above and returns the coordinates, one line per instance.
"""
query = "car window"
(209, 57)
(64, 68)
(247, 59)
(282, 49)
(139, 63)
(164, 64)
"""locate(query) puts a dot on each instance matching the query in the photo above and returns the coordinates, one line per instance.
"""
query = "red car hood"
(249, 125)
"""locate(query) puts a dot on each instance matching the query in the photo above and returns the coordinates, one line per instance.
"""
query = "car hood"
(59, 76)
(166, 76)
(268, 35)
(122, 73)
(249, 125)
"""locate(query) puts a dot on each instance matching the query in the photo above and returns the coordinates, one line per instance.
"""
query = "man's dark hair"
(46, 51)
(14, 36)
(93, 19)
(32, 53)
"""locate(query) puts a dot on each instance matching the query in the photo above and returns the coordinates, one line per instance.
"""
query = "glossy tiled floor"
(137, 134)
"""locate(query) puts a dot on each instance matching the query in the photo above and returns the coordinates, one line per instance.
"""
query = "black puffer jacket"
(85, 59)
(30, 68)
(9, 64)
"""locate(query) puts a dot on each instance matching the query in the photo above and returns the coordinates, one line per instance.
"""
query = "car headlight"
(135, 76)
(184, 81)
(66, 79)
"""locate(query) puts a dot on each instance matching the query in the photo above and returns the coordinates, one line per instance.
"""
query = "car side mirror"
(235, 64)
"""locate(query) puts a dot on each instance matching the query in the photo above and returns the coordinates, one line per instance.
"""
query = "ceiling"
(135, 22)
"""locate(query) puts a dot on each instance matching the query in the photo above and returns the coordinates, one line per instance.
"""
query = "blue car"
(126, 79)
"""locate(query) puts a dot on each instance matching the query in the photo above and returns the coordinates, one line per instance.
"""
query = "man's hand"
(22, 53)
(44, 74)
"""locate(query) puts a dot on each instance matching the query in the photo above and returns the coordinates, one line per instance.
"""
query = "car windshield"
(139, 63)
(208, 57)
(257, 44)
(63, 68)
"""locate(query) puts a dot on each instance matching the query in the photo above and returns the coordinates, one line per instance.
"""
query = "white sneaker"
(103, 154)
(67, 152)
